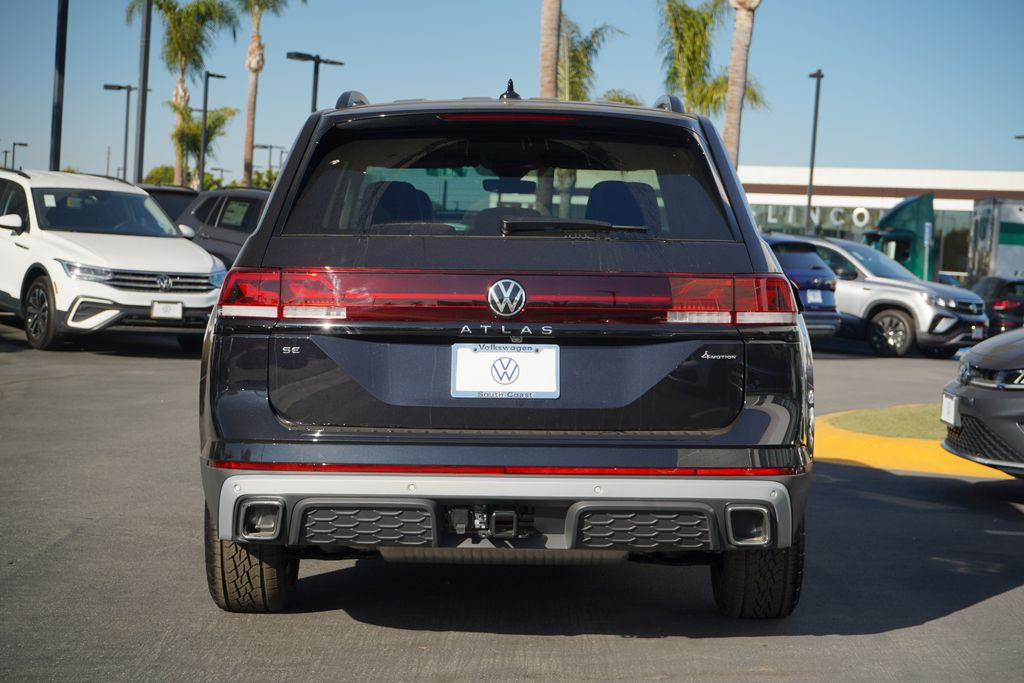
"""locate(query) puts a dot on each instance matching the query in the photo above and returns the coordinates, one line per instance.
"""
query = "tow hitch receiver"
(504, 524)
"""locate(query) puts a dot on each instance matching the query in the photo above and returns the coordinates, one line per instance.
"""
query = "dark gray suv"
(507, 331)
(223, 219)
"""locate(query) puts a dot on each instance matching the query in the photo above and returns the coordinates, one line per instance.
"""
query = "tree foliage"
(188, 136)
(622, 97)
(578, 51)
(189, 30)
(686, 38)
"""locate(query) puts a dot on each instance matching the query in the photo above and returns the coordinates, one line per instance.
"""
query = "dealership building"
(849, 200)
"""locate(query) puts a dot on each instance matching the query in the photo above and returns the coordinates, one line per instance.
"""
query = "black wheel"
(40, 315)
(939, 351)
(249, 577)
(190, 343)
(759, 584)
(891, 333)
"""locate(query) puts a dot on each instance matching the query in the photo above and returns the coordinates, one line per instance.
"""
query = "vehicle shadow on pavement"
(885, 551)
(12, 340)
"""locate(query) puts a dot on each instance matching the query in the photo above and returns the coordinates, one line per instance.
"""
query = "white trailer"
(997, 239)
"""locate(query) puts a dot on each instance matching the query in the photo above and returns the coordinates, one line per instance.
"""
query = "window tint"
(1014, 290)
(878, 264)
(798, 256)
(101, 211)
(13, 200)
(239, 214)
(836, 261)
(470, 180)
(173, 203)
(205, 209)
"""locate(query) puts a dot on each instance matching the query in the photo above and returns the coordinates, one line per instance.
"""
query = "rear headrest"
(622, 203)
(395, 202)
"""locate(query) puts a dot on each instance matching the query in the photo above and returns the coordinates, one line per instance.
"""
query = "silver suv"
(881, 301)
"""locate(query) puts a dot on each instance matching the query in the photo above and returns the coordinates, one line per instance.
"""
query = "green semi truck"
(997, 239)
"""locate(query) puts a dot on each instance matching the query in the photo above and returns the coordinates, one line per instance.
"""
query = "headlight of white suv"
(217, 277)
(945, 302)
(79, 271)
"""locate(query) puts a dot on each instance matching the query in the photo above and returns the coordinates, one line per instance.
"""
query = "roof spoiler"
(351, 98)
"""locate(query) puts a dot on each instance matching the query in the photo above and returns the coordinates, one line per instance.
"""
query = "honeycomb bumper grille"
(368, 526)
(974, 437)
(652, 530)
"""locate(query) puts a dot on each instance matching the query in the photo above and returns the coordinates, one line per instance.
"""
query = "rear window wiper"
(542, 224)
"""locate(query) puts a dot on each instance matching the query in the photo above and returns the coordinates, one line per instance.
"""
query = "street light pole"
(14, 151)
(57, 115)
(817, 76)
(127, 109)
(143, 88)
(317, 61)
(202, 139)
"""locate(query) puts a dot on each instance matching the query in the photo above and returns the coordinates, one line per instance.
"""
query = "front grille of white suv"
(160, 282)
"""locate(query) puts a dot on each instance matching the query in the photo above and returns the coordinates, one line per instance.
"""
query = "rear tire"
(759, 584)
(249, 577)
(891, 333)
(40, 315)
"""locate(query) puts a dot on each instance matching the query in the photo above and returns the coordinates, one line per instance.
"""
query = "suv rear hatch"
(504, 272)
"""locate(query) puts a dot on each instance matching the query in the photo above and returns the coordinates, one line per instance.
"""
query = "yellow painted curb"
(835, 444)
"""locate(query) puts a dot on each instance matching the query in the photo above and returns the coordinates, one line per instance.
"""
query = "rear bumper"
(657, 514)
(822, 323)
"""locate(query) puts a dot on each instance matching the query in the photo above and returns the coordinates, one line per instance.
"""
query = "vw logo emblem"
(505, 370)
(164, 282)
(506, 298)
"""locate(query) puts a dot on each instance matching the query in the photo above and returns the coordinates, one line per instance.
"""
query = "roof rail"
(15, 170)
(670, 103)
(107, 177)
(351, 98)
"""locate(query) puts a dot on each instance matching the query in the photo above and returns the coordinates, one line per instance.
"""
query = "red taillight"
(329, 294)
(764, 300)
(251, 293)
(1005, 305)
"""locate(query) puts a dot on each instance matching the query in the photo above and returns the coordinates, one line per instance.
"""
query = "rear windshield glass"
(470, 180)
(1014, 290)
(798, 256)
(101, 211)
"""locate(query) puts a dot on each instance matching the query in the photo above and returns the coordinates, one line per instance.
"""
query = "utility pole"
(14, 151)
(107, 173)
(817, 76)
(57, 115)
(140, 113)
(127, 109)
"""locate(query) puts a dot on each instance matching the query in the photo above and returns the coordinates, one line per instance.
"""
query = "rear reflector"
(360, 468)
(329, 294)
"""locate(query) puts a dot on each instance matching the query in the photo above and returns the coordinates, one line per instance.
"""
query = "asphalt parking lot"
(909, 577)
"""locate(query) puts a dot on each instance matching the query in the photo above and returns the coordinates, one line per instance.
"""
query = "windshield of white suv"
(877, 263)
(101, 211)
(492, 180)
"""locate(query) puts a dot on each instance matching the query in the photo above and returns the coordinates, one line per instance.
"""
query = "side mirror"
(12, 221)
(186, 231)
(846, 274)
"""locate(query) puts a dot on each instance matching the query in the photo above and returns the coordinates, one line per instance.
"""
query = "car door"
(853, 289)
(15, 248)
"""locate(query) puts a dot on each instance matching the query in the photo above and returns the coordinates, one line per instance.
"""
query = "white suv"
(81, 253)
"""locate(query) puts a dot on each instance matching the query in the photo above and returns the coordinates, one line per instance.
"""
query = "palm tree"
(686, 34)
(621, 96)
(254, 63)
(577, 53)
(743, 30)
(189, 30)
(550, 21)
(189, 135)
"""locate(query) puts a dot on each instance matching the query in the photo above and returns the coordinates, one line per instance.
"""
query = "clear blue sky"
(908, 83)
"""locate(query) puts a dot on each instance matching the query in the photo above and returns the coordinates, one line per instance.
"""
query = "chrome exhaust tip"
(748, 525)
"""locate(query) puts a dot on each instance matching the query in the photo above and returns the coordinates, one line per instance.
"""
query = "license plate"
(950, 413)
(814, 296)
(505, 371)
(162, 310)
(978, 333)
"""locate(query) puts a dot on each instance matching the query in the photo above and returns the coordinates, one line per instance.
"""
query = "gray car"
(223, 219)
(984, 407)
(892, 309)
